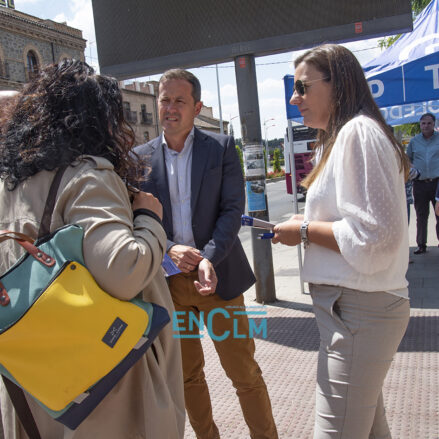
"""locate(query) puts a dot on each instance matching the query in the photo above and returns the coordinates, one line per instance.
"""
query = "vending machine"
(301, 148)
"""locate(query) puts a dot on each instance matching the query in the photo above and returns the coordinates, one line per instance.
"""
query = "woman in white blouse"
(355, 233)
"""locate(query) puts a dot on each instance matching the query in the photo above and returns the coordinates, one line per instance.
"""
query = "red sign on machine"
(359, 27)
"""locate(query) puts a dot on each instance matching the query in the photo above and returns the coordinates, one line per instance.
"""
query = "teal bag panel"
(64, 243)
(28, 278)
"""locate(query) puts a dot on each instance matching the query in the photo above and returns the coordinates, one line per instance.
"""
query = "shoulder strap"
(22, 408)
(15, 392)
(50, 203)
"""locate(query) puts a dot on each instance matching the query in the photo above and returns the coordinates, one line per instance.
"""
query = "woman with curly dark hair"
(69, 116)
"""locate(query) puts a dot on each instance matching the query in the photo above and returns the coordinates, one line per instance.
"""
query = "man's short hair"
(428, 115)
(187, 76)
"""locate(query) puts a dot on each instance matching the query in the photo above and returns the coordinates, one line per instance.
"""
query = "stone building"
(206, 121)
(28, 43)
(140, 109)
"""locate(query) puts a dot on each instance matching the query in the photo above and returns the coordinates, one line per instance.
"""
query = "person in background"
(355, 234)
(413, 174)
(68, 115)
(436, 207)
(197, 177)
(423, 152)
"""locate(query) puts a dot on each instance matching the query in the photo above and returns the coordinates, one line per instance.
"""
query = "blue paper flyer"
(169, 267)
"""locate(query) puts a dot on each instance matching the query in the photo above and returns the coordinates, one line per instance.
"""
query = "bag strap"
(50, 203)
(22, 408)
(28, 244)
(15, 392)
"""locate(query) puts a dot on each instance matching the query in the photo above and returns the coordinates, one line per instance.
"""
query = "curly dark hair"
(65, 112)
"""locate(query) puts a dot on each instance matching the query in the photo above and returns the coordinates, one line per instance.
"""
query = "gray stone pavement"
(287, 356)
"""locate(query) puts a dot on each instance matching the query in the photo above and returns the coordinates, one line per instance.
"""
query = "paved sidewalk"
(289, 353)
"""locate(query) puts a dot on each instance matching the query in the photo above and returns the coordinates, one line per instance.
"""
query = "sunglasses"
(301, 86)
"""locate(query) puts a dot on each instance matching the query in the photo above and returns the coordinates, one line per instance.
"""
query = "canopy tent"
(404, 79)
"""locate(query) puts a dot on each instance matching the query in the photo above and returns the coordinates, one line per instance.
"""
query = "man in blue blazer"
(198, 179)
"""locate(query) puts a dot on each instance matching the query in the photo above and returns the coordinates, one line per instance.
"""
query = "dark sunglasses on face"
(301, 86)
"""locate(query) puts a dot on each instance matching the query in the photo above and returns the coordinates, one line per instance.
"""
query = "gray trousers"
(359, 335)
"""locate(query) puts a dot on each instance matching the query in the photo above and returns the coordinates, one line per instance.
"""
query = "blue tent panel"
(292, 110)
(410, 113)
(422, 41)
(405, 73)
(415, 81)
(394, 114)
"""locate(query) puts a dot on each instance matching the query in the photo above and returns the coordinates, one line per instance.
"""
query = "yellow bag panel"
(60, 337)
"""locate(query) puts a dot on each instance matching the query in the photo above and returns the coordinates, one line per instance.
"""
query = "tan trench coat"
(148, 402)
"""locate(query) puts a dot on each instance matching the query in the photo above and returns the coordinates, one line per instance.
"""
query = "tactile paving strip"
(288, 358)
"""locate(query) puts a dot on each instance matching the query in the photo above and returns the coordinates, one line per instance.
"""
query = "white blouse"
(361, 190)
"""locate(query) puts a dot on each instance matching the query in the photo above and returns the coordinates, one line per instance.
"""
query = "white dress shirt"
(361, 190)
(179, 170)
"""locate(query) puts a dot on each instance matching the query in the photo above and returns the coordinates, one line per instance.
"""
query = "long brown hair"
(350, 95)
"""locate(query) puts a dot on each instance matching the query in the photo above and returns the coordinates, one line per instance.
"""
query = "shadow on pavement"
(422, 335)
(301, 333)
(291, 305)
(423, 278)
(294, 332)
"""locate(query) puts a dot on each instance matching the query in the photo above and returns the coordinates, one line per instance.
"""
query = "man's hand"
(185, 258)
(207, 278)
(436, 208)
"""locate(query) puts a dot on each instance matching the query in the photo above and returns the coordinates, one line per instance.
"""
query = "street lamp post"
(265, 133)
(219, 102)
(90, 56)
(230, 122)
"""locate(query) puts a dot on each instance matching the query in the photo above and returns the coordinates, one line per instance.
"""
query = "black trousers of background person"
(424, 192)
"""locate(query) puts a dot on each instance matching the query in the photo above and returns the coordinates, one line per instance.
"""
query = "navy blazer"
(217, 203)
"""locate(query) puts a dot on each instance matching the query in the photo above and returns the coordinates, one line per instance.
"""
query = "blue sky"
(269, 69)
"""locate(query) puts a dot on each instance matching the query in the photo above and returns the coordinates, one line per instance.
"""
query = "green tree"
(276, 160)
(417, 7)
(275, 143)
(241, 159)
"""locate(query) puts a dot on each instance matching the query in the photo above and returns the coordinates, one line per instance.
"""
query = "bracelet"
(147, 212)
(304, 234)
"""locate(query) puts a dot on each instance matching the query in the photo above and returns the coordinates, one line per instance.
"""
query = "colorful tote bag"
(62, 338)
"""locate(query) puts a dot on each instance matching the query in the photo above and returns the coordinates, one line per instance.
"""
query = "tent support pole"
(295, 204)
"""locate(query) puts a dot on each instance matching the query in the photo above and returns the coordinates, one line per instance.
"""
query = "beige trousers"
(236, 352)
(359, 335)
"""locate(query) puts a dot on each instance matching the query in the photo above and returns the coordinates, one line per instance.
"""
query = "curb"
(272, 180)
